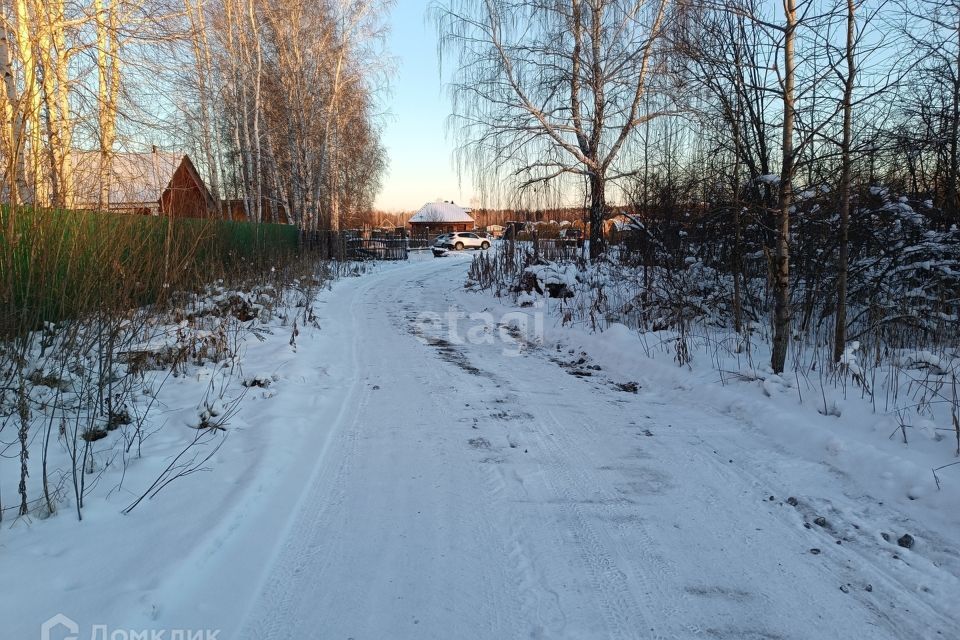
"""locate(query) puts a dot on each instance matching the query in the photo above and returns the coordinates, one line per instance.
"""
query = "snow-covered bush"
(689, 282)
(79, 395)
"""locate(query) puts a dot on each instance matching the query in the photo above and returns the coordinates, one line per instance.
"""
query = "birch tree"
(782, 307)
(108, 85)
(13, 123)
(846, 181)
(276, 101)
(546, 92)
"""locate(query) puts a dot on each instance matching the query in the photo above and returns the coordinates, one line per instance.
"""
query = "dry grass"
(100, 310)
(57, 265)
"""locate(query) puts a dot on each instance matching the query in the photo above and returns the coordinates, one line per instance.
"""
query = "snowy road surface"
(450, 490)
(469, 494)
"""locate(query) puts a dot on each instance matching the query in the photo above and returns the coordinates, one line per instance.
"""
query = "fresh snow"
(401, 474)
(769, 178)
(441, 212)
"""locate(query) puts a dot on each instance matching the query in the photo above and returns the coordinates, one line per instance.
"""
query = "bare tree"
(782, 309)
(545, 92)
(108, 83)
(734, 62)
(846, 183)
(13, 125)
(930, 127)
(294, 77)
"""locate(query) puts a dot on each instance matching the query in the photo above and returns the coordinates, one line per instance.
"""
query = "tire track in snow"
(505, 614)
(498, 613)
(623, 613)
(550, 619)
(533, 609)
(620, 578)
(627, 616)
(508, 536)
(279, 600)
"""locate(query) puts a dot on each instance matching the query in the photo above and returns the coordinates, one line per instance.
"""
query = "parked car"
(462, 240)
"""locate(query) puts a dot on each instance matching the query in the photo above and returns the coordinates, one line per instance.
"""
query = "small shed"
(435, 218)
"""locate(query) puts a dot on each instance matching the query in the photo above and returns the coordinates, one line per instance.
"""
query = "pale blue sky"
(420, 152)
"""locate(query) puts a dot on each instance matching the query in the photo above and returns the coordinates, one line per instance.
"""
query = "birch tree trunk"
(202, 66)
(54, 59)
(30, 101)
(782, 311)
(846, 187)
(15, 171)
(257, 169)
(331, 145)
(108, 76)
(64, 118)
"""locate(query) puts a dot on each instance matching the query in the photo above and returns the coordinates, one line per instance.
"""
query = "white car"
(462, 240)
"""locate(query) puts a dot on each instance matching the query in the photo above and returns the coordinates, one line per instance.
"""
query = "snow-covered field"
(432, 464)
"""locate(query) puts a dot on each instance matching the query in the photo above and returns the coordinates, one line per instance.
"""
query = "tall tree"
(12, 134)
(108, 90)
(846, 183)
(782, 310)
(548, 91)
(931, 129)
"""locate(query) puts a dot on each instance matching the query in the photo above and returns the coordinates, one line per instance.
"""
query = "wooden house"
(154, 183)
(435, 218)
(186, 195)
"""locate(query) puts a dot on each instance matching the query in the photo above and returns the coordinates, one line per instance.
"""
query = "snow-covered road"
(406, 483)
(464, 493)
